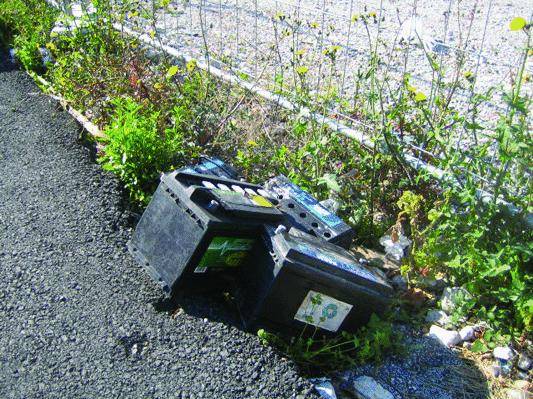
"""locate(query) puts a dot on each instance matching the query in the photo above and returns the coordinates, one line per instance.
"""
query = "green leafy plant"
(138, 152)
(320, 354)
(478, 242)
(26, 25)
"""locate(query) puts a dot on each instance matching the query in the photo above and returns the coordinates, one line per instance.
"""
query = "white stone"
(368, 388)
(517, 394)
(467, 333)
(503, 353)
(324, 387)
(453, 296)
(445, 337)
(437, 317)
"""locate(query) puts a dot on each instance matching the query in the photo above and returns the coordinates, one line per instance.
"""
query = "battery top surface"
(240, 203)
(302, 248)
(222, 198)
(281, 185)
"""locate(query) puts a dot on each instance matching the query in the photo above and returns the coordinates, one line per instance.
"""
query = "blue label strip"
(336, 260)
(312, 205)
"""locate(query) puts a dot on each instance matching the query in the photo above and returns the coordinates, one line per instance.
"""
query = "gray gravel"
(424, 370)
(77, 314)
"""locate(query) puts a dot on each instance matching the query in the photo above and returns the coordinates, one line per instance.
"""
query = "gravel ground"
(426, 370)
(77, 314)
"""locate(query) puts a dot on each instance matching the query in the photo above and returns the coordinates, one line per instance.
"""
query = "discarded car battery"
(213, 166)
(197, 224)
(298, 280)
(306, 213)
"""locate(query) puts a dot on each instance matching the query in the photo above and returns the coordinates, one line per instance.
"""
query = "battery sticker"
(233, 197)
(225, 252)
(239, 198)
(311, 204)
(261, 201)
(323, 311)
(336, 260)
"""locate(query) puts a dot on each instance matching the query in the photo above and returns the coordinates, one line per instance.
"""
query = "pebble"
(445, 337)
(365, 387)
(467, 333)
(503, 353)
(517, 394)
(467, 345)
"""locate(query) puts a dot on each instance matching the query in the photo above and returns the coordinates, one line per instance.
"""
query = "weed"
(319, 354)
(26, 24)
(138, 153)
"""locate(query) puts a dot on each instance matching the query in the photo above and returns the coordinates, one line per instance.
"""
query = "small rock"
(503, 353)
(524, 362)
(517, 394)
(399, 282)
(324, 387)
(467, 333)
(453, 296)
(366, 387)
(437, 317)
(445, 337)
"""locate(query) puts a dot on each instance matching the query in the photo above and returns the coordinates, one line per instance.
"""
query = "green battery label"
(225, 252)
